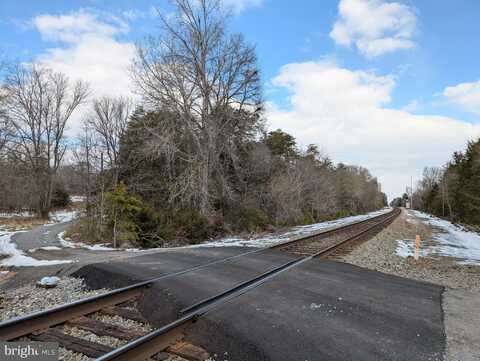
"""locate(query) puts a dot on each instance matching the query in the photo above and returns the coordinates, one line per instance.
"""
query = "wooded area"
(453, 191)
(191, 160)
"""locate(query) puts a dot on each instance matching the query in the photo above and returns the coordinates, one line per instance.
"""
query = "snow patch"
(24, 214)
(16, 257)
(63, 217)
(67, 243)
(46, 248)
(270, 240)
(451, 241)
(78, 199)
(406, 248)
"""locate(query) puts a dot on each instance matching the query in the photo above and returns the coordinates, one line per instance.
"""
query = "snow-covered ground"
(67, 243)
(270, 240)
(16, 257)
(450, 240)
(55, 217)
(63, 216)
(77, 199)
(24, 214)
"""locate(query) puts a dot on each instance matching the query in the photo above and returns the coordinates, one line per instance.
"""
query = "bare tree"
(206, 77)
(39, 104)
(109, 121)
(86, 159)
(4, 126)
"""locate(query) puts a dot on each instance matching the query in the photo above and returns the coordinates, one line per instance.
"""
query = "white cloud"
(375, 27)
(134, 14)
(73, 26)
(412, 106)
(466, 95)
(89, 50)
(347, 112)
(238, 6)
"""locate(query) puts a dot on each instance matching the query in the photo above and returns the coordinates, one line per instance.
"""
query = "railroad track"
(97, 314)
(338, 241)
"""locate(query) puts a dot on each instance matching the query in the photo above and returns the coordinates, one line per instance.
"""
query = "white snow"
(270, 240)
(77, 199)
(55, 217)
(406, 248)
(63, 217)
(450, 240)
(19, 259)
(24, 214)
(46, 248)
(16, 257)
(67, 243)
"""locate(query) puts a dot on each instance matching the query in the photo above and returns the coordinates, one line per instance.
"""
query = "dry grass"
(20, 223)
(26, 223)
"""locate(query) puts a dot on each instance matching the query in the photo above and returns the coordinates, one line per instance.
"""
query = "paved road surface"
(41, 236)
(319, 311)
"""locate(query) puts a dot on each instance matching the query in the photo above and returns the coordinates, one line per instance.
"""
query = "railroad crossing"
(276, 302)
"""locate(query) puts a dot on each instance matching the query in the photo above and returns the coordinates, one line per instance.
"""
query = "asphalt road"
(318, 311)
(41, 236)
(47, 235)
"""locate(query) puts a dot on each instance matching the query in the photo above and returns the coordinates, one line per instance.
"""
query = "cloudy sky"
(390, 85)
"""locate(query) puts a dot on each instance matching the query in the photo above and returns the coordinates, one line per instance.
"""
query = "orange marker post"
(417, 247)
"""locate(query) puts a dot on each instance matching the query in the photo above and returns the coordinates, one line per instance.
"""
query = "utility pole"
(411, 192)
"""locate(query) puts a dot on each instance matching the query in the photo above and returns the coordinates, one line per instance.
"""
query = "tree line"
(190, 160)
(453, 191)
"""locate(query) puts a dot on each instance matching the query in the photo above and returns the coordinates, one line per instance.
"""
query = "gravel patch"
(122, 322)
(379, 254)
(86, 335)
(67, 355)
(31, 298)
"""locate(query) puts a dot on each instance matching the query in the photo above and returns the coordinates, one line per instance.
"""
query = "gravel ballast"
(461, 298)
(379, 254)
(31, 298)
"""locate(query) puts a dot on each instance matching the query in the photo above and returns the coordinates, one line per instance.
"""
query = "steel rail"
(25, 325)
(158, 340)
(394, 214)
(328, 231)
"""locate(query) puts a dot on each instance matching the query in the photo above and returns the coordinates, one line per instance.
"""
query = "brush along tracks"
(139, 342)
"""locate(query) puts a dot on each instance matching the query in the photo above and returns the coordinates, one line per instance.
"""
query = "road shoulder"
(461, 299)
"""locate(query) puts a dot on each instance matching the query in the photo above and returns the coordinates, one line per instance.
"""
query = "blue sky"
(390, 85)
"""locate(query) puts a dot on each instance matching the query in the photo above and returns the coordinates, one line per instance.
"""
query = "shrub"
(122, 209)
(192, 225)
(246, 218)
(60, 196)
